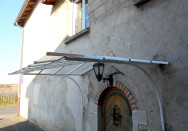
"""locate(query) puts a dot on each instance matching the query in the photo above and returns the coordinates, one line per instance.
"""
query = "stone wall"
(155, 31)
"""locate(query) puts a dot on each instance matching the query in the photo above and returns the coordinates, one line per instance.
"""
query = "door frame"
(104, 90)
(103, 99)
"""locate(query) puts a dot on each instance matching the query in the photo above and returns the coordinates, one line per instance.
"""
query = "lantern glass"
(101, 68)
(98, 69)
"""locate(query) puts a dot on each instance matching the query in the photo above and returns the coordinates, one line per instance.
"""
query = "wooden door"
(116, 112)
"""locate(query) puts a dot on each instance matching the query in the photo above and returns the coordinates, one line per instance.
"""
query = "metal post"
(157, 94)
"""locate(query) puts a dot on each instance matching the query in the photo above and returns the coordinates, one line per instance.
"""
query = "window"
(80, 16)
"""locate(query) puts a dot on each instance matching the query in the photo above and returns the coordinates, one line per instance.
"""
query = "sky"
(10, 41)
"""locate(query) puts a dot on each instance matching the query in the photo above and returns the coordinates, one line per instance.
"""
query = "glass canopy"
(73, 64)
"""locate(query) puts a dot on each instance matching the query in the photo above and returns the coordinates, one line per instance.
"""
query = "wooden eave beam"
(21, 23)
(48, 2)
(32, 2)
(26, 13)
(28, 8)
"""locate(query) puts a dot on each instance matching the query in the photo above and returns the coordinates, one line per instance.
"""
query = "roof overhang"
(73, 64)
(25, 12)
(48, 2)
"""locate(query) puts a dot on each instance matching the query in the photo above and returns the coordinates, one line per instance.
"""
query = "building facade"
(153, 30)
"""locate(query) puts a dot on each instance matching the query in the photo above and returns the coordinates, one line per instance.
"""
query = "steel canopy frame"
(104, 59)
(63, 64)
(73, 64)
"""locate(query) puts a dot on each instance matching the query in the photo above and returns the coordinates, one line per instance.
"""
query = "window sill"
(77, 35)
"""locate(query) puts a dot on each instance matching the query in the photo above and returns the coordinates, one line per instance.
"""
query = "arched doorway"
(115, 112)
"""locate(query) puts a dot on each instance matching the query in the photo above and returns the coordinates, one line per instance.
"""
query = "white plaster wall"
(34, 43)
(36, 35)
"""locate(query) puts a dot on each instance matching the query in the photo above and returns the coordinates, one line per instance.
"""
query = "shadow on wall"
(22, 126)
(33, 95)
(47, 103)
(58, 3)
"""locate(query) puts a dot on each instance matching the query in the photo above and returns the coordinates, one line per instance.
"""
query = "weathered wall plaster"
(156, 31)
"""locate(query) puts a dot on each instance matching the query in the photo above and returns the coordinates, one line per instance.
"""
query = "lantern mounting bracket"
(110, 78)
(99, 69)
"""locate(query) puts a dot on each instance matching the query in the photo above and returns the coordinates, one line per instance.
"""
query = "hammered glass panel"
(84, 68)
(67, 69)
(49, 58)
(50, 71)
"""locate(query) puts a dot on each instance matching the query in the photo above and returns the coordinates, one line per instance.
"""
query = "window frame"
(83, 20)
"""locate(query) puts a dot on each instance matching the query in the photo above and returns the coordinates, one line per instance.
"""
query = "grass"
(5, 86)
(8, 104)
(8, 98)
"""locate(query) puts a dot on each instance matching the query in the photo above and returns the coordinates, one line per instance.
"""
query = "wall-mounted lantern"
(99, 69)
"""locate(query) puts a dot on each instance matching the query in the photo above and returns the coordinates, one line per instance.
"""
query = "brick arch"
(121, 87)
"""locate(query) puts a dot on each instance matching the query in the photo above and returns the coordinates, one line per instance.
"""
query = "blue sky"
(10, 40)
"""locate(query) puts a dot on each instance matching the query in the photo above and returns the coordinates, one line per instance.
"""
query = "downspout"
(20, 82)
